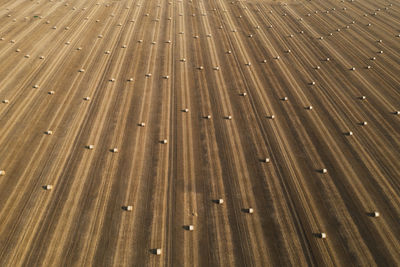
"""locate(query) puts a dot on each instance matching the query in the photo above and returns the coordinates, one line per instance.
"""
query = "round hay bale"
(48, 187)
(322, 235)
(375, 214)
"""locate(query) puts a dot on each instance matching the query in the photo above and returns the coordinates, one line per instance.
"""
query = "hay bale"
(86, 98)
(114, 150)
(49, 132)
(2, 172)
(48, 187)
(322, 235)
(5, 101)
(165, 141)
(51, 92)
(90, 147)
(249, 210)
(375, 214)
(127, 208)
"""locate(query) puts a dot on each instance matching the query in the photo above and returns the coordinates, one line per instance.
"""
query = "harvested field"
(199, 133)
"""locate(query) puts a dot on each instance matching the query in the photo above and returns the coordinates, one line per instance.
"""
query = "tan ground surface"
(80, 222)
